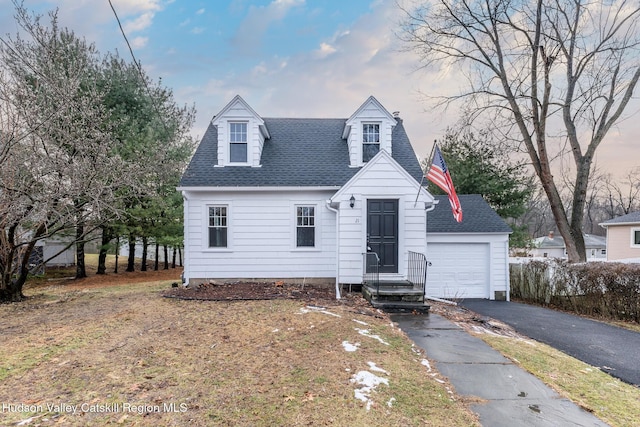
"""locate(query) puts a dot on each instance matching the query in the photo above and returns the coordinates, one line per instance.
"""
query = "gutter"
(337, 212)
(185, 207)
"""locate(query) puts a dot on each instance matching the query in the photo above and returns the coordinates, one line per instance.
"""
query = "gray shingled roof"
(624, 219)
(590, 242)
(300, 153)
(477, 217)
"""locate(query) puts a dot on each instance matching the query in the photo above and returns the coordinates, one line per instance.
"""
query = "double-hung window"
(238, 142)
(305, 226)
(635, 237)
(370, 140)
(218, 226)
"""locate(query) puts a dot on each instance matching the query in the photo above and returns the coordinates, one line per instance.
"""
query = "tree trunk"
(132, 253)
(81, 270)
(12, 293)
(115, 268)
(156, 265)
(145, 244)
(104, 250)
(173, 260)
(166, 257)
(180, 255)
(11, 289)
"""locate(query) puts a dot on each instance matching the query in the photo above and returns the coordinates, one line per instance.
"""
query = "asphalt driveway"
(614, 350)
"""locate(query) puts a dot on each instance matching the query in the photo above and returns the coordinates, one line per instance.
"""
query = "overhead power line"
(139, 68)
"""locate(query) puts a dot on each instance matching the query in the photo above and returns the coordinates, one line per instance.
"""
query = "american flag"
(439, 175)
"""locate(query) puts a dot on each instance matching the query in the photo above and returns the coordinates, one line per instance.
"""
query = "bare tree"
(622, 197)
(560, 72)
(58, 169)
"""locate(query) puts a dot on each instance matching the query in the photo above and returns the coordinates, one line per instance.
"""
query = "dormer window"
(238, 142)
(370, 140)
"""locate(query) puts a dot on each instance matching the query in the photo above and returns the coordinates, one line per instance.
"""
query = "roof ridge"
(305, 118)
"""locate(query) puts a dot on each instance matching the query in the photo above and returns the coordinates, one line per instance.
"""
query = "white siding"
(261, 237)
(239, 111)
(370, 112)
(382, 180)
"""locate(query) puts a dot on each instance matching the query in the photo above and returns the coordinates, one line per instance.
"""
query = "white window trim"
(362, 143)
(634, 230)
(317, 225)
(205, 231)
(229, 162)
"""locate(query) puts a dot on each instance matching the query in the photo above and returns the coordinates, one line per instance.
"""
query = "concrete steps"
(397, 296)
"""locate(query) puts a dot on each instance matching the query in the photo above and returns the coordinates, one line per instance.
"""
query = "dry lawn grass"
(124, 355)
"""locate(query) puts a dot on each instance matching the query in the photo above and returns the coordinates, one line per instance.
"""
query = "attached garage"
(468, 259)
(450, 278)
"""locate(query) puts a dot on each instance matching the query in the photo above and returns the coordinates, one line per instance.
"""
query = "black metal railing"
(371, 271)
(417, 270)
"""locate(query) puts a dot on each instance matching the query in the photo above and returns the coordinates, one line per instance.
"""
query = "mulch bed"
(243, 291)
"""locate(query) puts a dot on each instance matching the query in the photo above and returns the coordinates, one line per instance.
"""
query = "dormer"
(368, 131)
(241, 134)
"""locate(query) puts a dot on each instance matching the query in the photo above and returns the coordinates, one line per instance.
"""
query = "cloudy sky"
(297, 58)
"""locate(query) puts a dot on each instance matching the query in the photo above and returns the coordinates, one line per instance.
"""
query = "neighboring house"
(305, 199)
(552, 246)
(623, 237)
(55, 251)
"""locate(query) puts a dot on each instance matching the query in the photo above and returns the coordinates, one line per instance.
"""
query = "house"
(623, 237)
(316, 200)
(552, 246)
(56, 251)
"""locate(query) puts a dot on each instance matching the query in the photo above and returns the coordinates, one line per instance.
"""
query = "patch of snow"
(366, 333)
(374, 368)
(361, 322)
(390, 402)
(350, 347)
(368, 383)
(317, 309)
(426, 363)
(276, 330)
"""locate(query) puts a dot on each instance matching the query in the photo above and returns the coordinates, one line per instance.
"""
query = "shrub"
(609, 290)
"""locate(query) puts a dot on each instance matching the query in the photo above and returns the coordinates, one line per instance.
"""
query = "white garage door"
(458, 270)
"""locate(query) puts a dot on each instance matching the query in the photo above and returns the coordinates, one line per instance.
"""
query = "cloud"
(139, 42)
(142, 22)
(133, 7)
(197, 30)
(200, 11)
(325, 50)
(258, 20)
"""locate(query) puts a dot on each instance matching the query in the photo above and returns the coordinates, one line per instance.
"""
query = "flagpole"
(433, 148)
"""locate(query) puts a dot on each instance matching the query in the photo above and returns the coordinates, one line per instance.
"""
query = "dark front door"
(382, 232)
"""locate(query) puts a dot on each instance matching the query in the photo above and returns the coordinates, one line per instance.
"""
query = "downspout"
(337, 212)
(185, 278)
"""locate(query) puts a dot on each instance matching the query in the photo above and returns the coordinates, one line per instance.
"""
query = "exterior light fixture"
(352, 201)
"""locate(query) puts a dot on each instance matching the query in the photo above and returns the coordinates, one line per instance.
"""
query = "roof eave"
(209, 188)
(605, 224)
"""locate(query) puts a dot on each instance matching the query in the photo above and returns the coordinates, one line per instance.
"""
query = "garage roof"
(478, 217)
